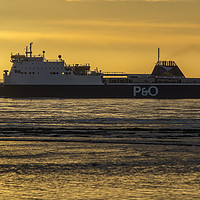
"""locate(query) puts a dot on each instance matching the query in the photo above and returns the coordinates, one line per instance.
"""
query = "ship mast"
(30, 50)
(158, 54)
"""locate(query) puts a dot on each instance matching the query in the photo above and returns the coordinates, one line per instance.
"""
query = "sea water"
(99, 113)
(99, 149)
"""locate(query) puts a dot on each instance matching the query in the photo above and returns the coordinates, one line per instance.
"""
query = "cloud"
(123, 24)
(102, 38)
(129, 1)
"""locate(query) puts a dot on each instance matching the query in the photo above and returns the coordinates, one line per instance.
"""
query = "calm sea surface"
(99, 149)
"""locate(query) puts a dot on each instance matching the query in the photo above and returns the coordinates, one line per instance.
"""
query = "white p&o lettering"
(151, 91)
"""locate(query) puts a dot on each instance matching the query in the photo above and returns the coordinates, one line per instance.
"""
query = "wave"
(180, 137)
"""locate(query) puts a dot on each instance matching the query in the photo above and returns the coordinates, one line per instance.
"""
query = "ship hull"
(159, 91)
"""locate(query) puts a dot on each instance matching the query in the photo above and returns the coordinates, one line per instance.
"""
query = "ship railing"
(166, 63)
(190, 80)
(114, 74)
(54, 60)
(77, 65)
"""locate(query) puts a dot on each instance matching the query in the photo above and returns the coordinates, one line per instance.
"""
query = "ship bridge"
(23, 58)
(29, 57)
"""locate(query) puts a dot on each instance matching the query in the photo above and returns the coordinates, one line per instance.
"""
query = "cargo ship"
(35, 76)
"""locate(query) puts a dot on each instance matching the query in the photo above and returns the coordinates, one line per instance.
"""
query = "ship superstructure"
(165, 72)
(37, 70)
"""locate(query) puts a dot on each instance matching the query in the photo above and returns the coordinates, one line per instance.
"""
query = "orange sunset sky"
(113, 35)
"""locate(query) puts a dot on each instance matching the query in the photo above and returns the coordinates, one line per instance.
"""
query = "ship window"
(24, 72)
(33, 72)
(29, 72)
(63, 72)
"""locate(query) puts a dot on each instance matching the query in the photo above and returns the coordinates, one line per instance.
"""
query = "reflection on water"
(79, 113)
(64, 170)
(99, 149)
